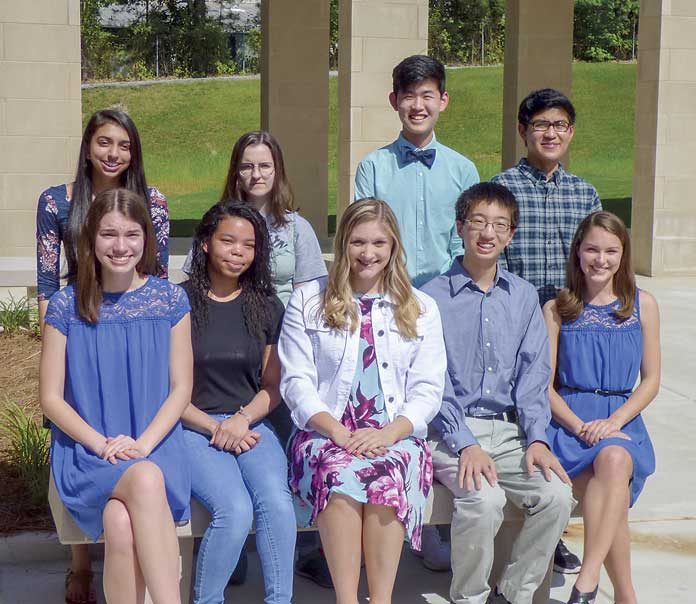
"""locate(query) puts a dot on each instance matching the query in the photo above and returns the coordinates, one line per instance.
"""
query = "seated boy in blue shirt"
(489, 439)
(417, 176)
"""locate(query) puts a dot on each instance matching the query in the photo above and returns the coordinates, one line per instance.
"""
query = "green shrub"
(226, 68)
(18, 315)
(597, 55)
(140, 71)
(27, 451)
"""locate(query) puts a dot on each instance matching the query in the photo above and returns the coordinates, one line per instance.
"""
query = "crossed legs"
(346, 527)
(604, 488)
(141, 546)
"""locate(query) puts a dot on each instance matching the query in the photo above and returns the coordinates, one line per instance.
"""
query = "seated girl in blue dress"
(110, 157)
(239, 468)
(603, 332)
(116, 374)
(363, 363)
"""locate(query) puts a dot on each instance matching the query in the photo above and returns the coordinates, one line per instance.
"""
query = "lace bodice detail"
(595, 317)
(599, 351)
(157, 299)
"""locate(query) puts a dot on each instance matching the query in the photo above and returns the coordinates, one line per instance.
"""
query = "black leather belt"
(506, 416)
(600, 391)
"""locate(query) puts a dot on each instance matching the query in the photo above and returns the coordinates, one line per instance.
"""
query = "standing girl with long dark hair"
(110, 157)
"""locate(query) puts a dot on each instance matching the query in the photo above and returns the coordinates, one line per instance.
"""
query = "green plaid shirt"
(550, 212)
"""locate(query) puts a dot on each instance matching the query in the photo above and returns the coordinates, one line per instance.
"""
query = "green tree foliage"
(605, 29)
(467, 31)
(97, 45)
(333, 34)
(176, 37)
(179, 38)
(169, 38)
(472, 32)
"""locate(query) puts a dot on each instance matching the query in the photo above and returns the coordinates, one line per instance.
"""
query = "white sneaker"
(435, 552)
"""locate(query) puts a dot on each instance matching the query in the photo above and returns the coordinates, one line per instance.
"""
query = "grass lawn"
(188, 130)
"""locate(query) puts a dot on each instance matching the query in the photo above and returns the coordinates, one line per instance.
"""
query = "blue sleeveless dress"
(597, 366)
(116, 378)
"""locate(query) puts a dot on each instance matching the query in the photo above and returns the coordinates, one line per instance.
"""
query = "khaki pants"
(478, 515)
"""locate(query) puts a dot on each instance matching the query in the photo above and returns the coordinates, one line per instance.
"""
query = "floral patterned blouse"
(51, 222)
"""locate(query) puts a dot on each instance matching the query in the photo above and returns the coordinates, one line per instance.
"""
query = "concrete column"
(663, 217)
(40, 110)
(295, 98)
(538, 54)
(374, 35)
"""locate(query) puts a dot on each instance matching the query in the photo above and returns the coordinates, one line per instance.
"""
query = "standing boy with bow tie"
(421, 180)
(417, 176)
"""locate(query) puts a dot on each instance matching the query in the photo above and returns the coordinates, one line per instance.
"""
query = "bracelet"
(244, 414)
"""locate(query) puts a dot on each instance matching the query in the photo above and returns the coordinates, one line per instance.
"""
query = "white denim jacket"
(318, 363)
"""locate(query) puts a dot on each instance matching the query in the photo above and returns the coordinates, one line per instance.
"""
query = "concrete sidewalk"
(663, 522)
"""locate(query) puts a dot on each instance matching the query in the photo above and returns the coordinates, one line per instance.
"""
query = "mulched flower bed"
(19, 383)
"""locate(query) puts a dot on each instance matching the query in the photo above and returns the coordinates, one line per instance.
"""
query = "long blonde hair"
(338, 305)
(569, 302)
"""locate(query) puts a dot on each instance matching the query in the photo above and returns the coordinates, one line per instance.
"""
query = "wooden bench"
(438, 511)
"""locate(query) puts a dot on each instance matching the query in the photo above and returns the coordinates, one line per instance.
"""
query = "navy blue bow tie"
(425, 156)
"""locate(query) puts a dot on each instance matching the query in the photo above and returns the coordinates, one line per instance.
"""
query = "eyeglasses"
(544, 125)
(479, 224)
(265, 169)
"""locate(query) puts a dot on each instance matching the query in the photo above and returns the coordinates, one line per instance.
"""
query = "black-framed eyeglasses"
(544, 125)
(479, 224)
(265, 169)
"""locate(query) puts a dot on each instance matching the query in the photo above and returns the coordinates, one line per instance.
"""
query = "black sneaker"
(495, 597)
(240, 571)
(313, 566)
(565, 561)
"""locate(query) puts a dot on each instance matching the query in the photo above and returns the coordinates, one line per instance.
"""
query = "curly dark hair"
(255, 282)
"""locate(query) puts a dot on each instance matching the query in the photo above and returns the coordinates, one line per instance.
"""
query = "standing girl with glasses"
(116, 373)
(603, 332)
(257, 176)
(110, 157)
(239, 467)
(363, 363)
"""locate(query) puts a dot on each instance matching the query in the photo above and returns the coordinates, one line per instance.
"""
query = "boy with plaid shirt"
(552, 201)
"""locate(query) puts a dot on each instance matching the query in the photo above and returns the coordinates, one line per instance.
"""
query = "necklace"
(227, 298)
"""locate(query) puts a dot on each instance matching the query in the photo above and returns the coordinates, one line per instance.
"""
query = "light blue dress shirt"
(497, 354)
(423, 200)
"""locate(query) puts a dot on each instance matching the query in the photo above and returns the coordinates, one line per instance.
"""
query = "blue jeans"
(237, 489)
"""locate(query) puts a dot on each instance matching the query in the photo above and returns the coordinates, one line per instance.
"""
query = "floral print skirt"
(400, 479)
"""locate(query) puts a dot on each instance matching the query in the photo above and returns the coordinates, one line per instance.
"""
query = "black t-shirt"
(227, 358)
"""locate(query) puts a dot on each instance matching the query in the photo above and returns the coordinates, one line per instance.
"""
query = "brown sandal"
(81, 583)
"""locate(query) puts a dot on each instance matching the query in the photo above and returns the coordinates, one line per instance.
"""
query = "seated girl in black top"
(239, 469)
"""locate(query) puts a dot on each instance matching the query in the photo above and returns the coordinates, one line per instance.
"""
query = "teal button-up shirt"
(423, 200)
